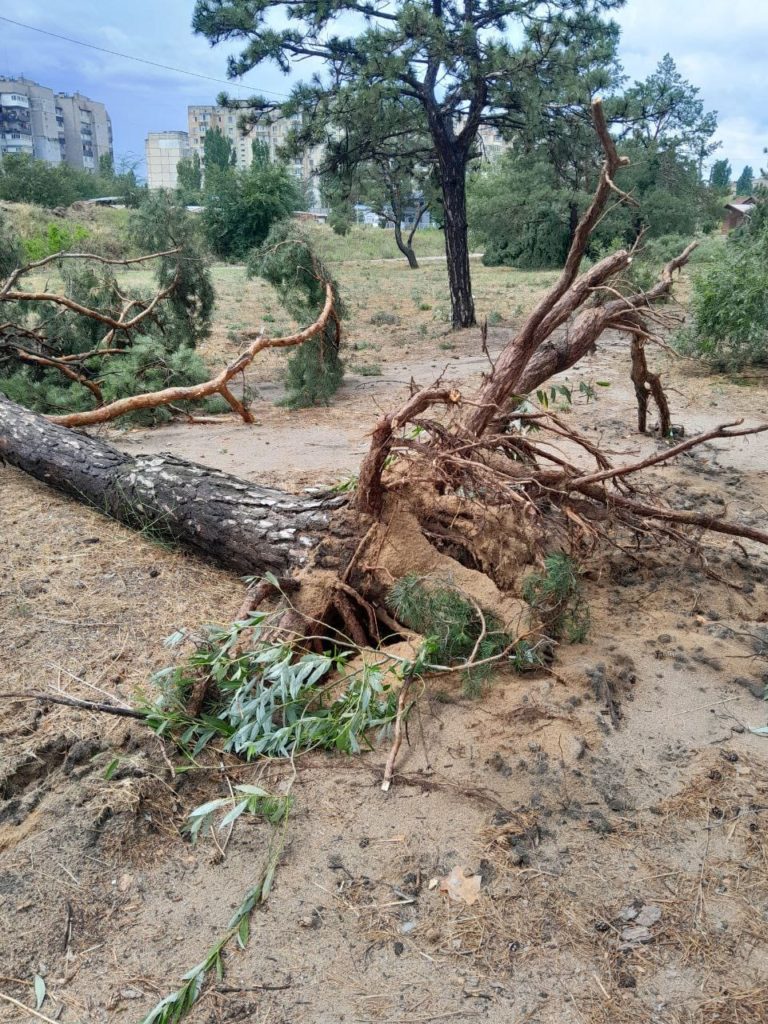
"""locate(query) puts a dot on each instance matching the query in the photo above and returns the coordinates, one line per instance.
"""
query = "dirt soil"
(615, 807)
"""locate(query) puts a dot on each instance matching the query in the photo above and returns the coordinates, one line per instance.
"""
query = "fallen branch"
(389, 768)
(11, 280)
(196, 392)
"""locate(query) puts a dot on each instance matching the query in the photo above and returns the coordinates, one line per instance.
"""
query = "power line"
(139, 60)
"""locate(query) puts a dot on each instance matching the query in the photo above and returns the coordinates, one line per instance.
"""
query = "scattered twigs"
(89, 705)
(27, 1009)
(389, 768)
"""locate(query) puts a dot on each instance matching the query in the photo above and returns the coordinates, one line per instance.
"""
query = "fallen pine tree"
(470, 491)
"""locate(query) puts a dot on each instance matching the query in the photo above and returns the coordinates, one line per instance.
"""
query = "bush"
(729, 306)
(57, 238)
(242, 206)
(287, 260)
(516, 211)
(341, 220)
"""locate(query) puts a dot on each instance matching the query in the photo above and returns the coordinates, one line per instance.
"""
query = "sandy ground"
(615, 807)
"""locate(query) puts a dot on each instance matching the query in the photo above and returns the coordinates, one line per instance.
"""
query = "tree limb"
(196, 392)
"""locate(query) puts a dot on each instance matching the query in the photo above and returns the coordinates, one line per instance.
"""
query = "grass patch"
(370, 243)
(367, 369)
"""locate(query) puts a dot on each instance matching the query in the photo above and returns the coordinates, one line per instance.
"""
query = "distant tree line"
(24, 179)
(524, 208)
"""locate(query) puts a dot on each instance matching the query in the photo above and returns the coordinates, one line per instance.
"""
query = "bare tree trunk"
(405, 247)
(648, 385)
(242, 526)
(453, 172)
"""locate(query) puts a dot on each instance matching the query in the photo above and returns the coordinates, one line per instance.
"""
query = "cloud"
(719, 47)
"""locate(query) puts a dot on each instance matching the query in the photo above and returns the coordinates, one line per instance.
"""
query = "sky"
(718, 45)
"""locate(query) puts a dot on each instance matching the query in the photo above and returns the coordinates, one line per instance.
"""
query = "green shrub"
(729, 306)
(555, 595)
(242, 206)
(57, 238)
(340, 220)
(383, 318)
(367, 369)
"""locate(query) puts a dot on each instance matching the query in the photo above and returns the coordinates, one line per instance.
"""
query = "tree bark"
(453, 174)
(244, 527)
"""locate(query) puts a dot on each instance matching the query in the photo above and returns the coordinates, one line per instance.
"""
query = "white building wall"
(163, 151)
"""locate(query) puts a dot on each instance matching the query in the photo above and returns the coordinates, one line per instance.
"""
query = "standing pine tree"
(464, 64)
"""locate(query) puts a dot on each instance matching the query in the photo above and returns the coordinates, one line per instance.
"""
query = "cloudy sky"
(719, 45)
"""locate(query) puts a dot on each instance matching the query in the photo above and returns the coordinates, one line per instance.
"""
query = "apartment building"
(490, 143)
(55, 127)
(163, 151)
(86, 130)
(272, 131)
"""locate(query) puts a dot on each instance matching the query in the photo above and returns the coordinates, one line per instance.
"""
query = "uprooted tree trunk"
(482, 486)
(243, 527)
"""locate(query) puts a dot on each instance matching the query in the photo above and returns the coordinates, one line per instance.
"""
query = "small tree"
(287, 260)
(242, 206)
(745, 182)
(720, 175)
(376, 153)
(189, 180)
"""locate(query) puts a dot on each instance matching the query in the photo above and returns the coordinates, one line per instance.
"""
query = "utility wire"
(140, 60)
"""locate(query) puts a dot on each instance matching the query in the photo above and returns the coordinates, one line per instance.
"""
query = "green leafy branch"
(175, 1006)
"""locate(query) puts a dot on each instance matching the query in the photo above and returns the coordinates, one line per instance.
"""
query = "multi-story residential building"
(28, 120)
(86, 130)
(272, 131)
(54, 127)
(490, 143)
(164, 150)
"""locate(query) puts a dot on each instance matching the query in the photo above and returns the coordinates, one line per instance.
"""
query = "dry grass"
(85, 603)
